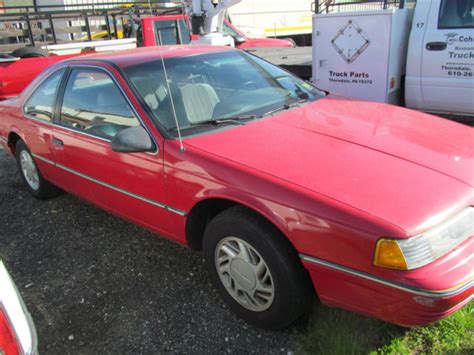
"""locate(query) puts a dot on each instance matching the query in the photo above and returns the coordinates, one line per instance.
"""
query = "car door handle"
(57, 142)
(436, 46)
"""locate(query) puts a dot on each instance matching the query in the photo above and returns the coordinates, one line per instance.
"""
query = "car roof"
(135, 56)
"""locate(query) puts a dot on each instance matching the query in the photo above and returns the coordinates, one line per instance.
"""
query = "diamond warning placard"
(350, 41)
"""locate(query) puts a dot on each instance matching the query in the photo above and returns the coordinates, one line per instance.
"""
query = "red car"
(17, 330)
(289, 191)
(242, 41)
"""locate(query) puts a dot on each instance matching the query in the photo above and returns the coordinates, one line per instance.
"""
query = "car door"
(93, 109)
(448, 57)
(38, 110)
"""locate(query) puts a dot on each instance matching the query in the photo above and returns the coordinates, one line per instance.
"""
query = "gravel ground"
(96, 283)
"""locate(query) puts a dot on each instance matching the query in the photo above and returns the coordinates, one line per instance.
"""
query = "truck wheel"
(255, 269)
(35, 183)
(30, 52)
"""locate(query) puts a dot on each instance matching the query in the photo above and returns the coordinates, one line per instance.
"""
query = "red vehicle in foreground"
(289, 191)
(17, 330)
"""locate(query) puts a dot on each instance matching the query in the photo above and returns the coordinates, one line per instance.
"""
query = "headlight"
(412, 253)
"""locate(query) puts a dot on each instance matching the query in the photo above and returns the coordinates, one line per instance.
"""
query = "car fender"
(271, 211)
(16, 130)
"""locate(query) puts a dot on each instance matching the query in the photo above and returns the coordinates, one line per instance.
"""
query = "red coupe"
(290, 192)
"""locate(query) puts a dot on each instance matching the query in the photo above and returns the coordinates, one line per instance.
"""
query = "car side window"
(93, 104)
(456, 14)
(40, 103)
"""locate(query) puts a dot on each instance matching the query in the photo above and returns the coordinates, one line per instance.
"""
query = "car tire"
(271, 295)
(30, 52)
(35, 183)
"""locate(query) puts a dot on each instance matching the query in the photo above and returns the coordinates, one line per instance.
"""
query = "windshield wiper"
(287, 106)
(236, 120)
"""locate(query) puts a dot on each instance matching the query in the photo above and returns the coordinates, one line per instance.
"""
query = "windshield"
(220, 86)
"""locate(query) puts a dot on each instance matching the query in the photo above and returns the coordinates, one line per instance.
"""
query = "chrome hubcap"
(244, 274)
(28, 168)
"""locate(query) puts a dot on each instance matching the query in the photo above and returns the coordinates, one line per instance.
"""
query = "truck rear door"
(447, 68)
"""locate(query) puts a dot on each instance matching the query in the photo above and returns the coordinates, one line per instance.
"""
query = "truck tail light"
(8, 341)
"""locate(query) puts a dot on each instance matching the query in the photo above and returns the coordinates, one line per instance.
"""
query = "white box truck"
(421, 56)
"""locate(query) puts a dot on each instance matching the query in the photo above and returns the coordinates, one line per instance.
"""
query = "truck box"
(362, 54)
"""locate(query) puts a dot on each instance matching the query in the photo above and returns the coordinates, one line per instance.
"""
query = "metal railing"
(26, 23)
(139, 7)
(330, 6)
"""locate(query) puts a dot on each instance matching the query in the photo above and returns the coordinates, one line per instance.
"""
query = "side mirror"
(239, 39)
(132, 140)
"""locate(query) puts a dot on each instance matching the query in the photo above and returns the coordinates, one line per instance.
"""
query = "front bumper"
(394, 302)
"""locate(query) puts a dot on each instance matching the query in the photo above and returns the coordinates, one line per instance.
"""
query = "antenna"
(180, 138)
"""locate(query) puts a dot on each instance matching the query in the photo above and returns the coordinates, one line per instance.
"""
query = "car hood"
(405, 167)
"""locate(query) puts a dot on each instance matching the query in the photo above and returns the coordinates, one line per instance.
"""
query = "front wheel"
(30, 174)
(255, 269)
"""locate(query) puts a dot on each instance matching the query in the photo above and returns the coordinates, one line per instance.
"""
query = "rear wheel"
(30, 174)
(255, 269)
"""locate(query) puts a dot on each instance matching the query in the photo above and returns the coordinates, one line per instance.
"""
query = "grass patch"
(334, 331)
